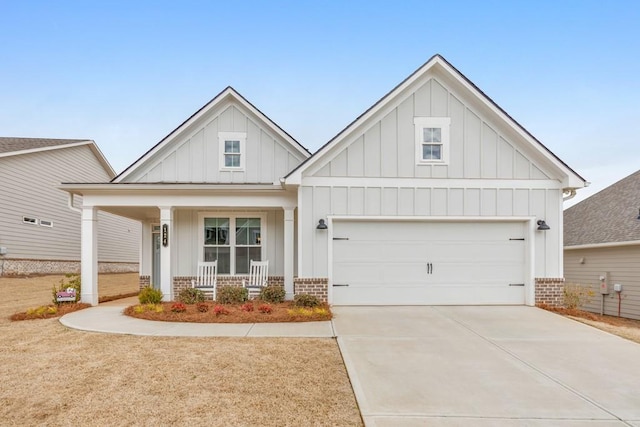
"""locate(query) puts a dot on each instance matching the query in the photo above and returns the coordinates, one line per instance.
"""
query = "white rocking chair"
(258, 277)
(206, 279)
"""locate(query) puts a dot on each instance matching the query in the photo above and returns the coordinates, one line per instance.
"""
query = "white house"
(434, 195)
(39, 233)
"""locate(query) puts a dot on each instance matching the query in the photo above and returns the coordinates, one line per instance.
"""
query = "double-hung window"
(432, 140)
(233, 240)
(232, 150)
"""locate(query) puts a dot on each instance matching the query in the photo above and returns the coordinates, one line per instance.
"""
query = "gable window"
(232, 150)
(432, 140)
(233, 240)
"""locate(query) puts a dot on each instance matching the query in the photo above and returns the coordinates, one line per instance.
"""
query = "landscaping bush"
(70, 281)
(232, 295)
(576, 296)
(191, 296)
(247, 306)
(265, 308)
(150, 295)
(273, 294)
(178, 307)
(218, 310)
(306, 300)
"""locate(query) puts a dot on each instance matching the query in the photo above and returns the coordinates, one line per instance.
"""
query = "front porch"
(186, 223)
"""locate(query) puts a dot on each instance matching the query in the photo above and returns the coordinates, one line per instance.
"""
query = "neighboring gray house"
(434, 195)
(39, 231)
(602, 244)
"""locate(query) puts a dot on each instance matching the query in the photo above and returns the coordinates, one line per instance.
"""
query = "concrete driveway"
(486, 366)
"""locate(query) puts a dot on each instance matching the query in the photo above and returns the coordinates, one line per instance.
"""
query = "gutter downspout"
(571, 195)
(70, 200)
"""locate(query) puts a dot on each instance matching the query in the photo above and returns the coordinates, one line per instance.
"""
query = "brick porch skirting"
(316, 286)
(184, 282)
(550, 291)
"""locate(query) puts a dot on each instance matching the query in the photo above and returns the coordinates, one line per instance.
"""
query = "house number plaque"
(165, 235)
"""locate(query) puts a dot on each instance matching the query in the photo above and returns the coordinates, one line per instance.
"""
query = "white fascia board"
(189, 200)
(96, 188)
(312, 181)
(572, 179)
(53, 147)
(170, 137)
(274, 128)
(295, 177)
(602, 245)
(103, 160)
(222, 97)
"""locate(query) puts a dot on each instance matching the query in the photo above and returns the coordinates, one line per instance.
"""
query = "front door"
(155, 260)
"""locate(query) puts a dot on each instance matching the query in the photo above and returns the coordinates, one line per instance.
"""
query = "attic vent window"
(46, 223)
(232, 150)
(29, 220)
(432, 140)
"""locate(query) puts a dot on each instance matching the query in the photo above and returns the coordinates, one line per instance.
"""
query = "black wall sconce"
(322, 225)
(542, 225)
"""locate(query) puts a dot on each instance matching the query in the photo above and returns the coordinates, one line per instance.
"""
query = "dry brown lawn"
(52, 375)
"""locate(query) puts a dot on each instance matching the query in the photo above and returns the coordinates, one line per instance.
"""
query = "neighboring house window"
(234, 241)
(46, 223)
(29, 220)
(232, 151)
(432, 140)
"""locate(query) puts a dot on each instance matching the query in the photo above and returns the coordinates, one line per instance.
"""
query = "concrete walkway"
(486, 366)
(108, 318)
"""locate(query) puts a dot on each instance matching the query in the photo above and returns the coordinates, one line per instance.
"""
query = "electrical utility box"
(604, 284)
(617, 287)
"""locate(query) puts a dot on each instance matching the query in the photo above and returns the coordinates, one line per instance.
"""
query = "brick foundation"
(550, 291)
(183, 282)
(316, 286)
(25, 267)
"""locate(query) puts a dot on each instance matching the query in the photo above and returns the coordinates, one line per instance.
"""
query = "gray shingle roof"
(606, 217)
(9, 144)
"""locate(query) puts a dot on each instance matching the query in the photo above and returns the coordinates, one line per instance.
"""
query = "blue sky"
(127, 73)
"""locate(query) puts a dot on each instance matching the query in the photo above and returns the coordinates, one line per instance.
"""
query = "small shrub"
(320, 310)
(265, 308)
(178, 307)
(139, 309)
(219, 309)
(300, 311)
(202, 307)
(69, 281)
(306, 300)
(150, 295)
(191, 296)
(232, 294)
(576, 296)
(272, 294)
(248, 307)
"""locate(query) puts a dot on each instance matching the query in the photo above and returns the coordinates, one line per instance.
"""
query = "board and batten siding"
(28, 189)
(187, 230)
(478, 149)
(322, 201)
(620, 264)
(195, 157)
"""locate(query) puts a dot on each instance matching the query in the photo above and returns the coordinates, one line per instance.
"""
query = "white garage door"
(428, 263)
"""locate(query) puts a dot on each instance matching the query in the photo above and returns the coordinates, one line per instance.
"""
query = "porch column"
(288, 252)
(167, 239)
(89, 255)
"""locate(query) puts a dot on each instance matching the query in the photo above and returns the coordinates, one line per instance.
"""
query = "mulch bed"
(282, 312)
(610, 320)
(49, 311)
